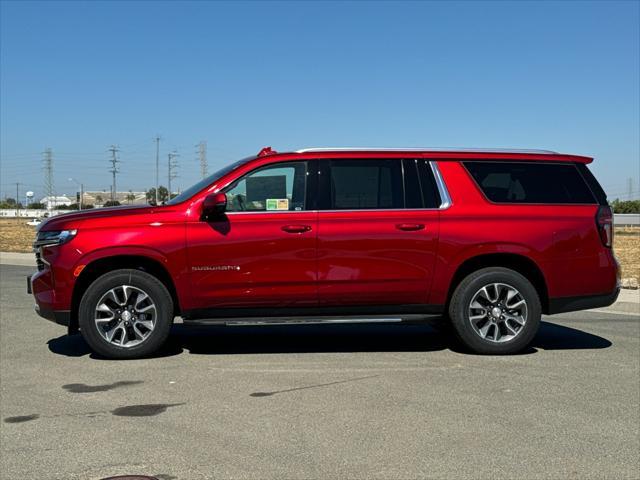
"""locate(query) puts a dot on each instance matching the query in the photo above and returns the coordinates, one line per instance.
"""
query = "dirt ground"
(17, 236)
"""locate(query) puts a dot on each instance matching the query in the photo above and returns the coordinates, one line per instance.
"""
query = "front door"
(262, 252)
(377, 232)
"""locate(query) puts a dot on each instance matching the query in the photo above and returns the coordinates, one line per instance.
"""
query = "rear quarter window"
(523, 182)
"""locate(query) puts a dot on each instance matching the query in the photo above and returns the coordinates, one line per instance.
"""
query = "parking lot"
(398, 401)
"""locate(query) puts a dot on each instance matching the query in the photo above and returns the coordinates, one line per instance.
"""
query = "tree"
(10, 203)
(37, 206)
(111, 203)
(625, 206)
(130, 196)
(99, 199)
(163, 195)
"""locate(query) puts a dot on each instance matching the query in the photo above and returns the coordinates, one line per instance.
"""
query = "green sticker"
(277, 204)
(272, 204)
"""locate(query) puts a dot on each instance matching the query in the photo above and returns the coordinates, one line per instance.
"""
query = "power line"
(114, 169)
(172, 166)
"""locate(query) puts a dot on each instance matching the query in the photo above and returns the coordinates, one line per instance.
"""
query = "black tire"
(460, 316)
(157, 293)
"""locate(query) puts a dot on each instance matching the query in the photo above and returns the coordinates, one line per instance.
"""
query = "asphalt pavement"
(341, 401)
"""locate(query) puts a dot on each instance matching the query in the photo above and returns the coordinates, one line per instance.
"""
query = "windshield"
(205, 182)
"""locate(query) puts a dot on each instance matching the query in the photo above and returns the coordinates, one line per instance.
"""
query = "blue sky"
(78, 77)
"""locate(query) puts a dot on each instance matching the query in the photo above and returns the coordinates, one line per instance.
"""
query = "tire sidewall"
(136, 278)
(461, 299)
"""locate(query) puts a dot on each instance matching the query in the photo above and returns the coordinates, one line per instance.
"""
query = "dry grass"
(17, 236)
(626, 243)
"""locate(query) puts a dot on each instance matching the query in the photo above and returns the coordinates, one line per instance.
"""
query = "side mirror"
(214, 205)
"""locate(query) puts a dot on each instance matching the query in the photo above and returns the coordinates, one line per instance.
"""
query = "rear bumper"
(572, 304)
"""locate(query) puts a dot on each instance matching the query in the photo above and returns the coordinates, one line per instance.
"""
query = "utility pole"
(172, 165)
(202, 154)
(157, 140)
(81, 185)
(114, 169)
(48, 177)
(17, 199)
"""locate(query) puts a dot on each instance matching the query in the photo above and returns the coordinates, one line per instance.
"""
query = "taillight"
(604, 221)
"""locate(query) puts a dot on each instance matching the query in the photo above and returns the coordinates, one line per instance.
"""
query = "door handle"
(410, 227)
(296, 228)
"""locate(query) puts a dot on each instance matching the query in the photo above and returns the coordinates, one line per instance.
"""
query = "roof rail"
(425, 149)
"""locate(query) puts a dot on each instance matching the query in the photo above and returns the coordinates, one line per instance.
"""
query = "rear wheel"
(126, 314)
(495, 311)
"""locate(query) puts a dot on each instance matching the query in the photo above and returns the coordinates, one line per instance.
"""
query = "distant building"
(53, 202)
(98, 198)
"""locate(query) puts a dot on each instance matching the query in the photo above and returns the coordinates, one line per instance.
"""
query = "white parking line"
(616, 312)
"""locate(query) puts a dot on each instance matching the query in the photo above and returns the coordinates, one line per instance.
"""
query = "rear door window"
(523, 182)
(365, 184)
(377, 184)
(421, 190)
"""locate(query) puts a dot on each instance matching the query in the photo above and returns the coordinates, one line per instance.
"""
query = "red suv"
(488, 240)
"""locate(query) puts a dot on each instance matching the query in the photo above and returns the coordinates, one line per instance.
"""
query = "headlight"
(54, 237)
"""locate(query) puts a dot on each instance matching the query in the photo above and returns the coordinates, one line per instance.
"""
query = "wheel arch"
(102, 265)
(519, 263)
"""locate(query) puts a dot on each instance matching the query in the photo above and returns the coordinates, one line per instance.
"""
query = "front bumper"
(61, 317)
(44, 300)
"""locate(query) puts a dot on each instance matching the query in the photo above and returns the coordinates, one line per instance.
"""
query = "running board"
(315, 320)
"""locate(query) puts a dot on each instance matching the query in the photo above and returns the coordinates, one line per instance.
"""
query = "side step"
(311, 320)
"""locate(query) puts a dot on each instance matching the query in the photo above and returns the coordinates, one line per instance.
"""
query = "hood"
(73, 219)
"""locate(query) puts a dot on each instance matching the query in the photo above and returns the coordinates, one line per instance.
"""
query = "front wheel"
(495, 311)
(126, 314)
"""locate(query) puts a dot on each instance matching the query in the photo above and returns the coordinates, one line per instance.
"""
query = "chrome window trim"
(445, 201)
(445, 198)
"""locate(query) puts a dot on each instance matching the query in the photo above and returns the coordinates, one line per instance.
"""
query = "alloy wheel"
(498, 312)
(125, 316)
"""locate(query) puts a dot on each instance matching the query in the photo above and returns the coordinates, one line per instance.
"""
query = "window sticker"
(277, 204)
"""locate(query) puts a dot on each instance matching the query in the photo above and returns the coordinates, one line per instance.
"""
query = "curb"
(22, 259)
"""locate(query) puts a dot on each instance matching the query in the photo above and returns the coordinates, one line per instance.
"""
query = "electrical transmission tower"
(157, 140)
(114, 169)
(172, 166)
(48, 177)
(202, 155)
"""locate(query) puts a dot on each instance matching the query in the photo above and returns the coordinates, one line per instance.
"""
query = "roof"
(443, 153)
(426, 149)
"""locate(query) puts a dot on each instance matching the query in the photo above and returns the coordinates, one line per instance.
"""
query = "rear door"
(377, 232)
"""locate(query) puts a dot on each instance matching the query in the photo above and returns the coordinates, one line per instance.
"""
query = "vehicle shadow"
(342, 338)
